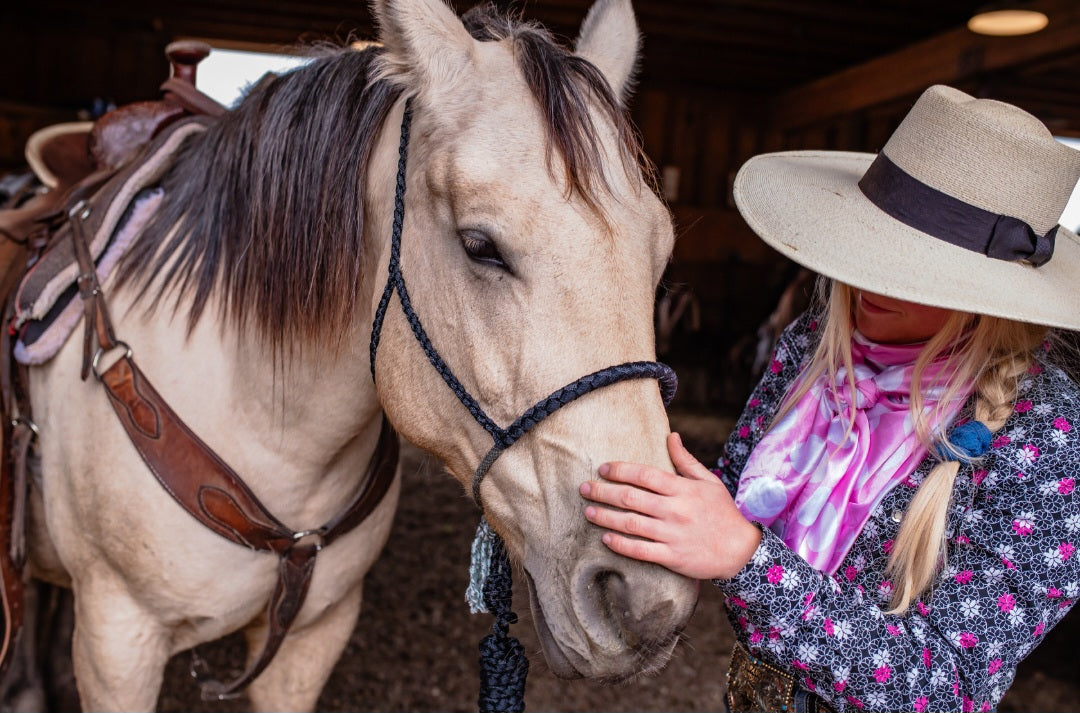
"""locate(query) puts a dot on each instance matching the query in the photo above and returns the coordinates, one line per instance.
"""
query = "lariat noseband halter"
(503, 437)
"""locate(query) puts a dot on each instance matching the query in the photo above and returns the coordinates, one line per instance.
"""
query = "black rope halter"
(497, 589)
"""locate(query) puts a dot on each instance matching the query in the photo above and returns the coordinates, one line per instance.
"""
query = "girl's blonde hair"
(990, 353)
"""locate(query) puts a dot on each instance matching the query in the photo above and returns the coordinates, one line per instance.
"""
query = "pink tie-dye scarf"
(816, 488)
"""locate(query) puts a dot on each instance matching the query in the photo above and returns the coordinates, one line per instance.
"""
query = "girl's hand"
(688, 524)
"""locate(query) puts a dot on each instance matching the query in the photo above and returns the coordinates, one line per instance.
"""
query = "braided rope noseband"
(503, 437)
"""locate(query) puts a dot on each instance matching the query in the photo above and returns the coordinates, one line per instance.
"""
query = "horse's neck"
(299, 430)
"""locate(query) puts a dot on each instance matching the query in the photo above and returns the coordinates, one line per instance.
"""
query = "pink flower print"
(854, 701)
(926, 657)
(887, 547)
(892, 630)
(994, 666)
(1006, 602)
(775, 366)
(743, 622)
(920, 704)
(882, 673)
(984, 707)
(753, 403)
(736, 602)
(978, 476)
(774, 633)
(923, 609)
(968, 705)
(1000, 441)
(808, 684)
(1038, 630)
(1020, 475)
(1053, 592)
(968, 640)
(1023, 527)
(1066, 485)
(851, 573)
(963, 540)
(1066, 549)
(756, 637)
(800, 665)
(759, 422)
(1029, 453)
(1008, 565)
(775, 573)
(744, 431)
(965, 576)
(885, 589)
(813, 325)
(1062, 424)
(1022, 406)
(829, 630)
(839, 686)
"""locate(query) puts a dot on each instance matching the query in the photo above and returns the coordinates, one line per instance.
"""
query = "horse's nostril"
(641, 623)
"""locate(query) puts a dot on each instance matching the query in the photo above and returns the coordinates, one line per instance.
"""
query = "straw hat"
(959, 210)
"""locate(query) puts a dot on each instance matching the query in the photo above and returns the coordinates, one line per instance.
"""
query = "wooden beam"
(948, 58)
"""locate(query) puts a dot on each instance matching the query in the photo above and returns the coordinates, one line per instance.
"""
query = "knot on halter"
(969, 440)
(503, 664)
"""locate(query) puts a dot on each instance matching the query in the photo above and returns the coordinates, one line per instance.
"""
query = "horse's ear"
(426, 44)
(609, 39)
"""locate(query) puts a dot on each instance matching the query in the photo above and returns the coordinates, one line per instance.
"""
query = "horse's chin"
(568, 664)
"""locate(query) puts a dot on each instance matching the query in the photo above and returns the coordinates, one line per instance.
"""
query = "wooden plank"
(945, 59)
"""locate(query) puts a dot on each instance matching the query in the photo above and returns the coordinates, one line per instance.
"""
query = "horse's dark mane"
(267, 204)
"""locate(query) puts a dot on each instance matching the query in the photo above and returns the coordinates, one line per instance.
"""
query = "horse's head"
(532, 246)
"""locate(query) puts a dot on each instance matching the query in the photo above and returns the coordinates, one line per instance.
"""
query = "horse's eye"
(481, 248)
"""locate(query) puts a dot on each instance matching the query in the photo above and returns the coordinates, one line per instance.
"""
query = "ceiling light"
(1007, 22)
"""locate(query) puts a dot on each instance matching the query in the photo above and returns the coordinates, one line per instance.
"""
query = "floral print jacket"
(1012, 569)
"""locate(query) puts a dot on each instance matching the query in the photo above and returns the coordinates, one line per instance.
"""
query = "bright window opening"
(226, 74)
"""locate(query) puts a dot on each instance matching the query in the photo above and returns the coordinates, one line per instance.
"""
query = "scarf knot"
(866, 392)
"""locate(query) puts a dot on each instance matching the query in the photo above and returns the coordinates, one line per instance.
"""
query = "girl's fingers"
(626, 497)
(644, 550)
(641, 476)
(628, 523)
(686, 464)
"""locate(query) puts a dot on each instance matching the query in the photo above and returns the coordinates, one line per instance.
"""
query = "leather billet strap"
(204, 485)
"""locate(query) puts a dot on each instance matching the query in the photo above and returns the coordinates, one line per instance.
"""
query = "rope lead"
(503, 664)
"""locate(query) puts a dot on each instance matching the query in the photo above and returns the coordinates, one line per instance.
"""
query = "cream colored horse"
(532, 246)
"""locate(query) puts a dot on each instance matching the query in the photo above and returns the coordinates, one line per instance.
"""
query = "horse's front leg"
(296, 676)
(119, 650)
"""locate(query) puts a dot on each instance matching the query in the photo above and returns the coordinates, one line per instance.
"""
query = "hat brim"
(808, 206)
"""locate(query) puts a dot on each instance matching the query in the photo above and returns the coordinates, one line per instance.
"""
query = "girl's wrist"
(743, 546)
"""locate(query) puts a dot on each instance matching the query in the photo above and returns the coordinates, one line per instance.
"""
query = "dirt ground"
(415, 647)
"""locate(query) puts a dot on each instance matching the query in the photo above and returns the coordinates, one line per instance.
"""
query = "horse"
(532, 239)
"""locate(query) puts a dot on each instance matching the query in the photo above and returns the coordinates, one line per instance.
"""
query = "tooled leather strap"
(211, 491)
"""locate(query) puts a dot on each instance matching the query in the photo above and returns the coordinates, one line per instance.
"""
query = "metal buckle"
(22, 420)
(101, 352)
(316, 534)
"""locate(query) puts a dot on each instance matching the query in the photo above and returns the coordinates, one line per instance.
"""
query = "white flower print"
(1072, 522)
(1005, 551)
(1016, 433)
(880, 658)
(807, 652)
(969, 608)
(842, 629)
(913, 677)
(1052, 557)
(1072, 589)
(776, 646)
(993, 574)
(938, 677)
(1024, 386)
(876, 701)
(842, 673)
(761, 555)
(1042, 409)
(1026, 455)
(789, 579)
(1059, 438)
(1016, 616)
(973, 516)
(994, 648)
(738, 448)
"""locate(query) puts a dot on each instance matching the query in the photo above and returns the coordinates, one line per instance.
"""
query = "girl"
(896, 517)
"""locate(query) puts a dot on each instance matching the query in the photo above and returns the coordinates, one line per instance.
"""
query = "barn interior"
(719, 81)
